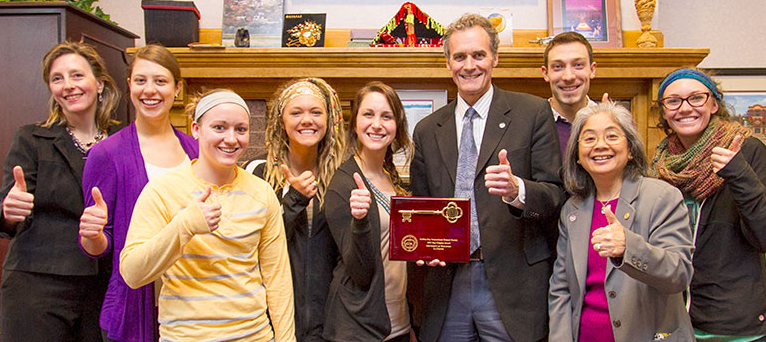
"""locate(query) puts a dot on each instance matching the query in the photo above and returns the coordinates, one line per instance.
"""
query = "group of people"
(148, 234)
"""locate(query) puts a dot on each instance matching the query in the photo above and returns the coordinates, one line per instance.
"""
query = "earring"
(100, 97)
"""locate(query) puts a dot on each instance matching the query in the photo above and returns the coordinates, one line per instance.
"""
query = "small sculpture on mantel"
(645, 11)
(410, 27)
(242, 38)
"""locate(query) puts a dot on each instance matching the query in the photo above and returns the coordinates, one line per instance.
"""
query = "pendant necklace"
(604, 203)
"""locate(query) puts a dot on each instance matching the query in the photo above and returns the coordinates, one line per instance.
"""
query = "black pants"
(45, 307)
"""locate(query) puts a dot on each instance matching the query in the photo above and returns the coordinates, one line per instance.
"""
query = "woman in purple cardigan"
(115, 173)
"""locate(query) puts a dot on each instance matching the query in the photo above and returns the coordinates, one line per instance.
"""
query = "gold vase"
(645, 11)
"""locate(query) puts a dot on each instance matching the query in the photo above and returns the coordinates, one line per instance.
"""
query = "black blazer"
(516, 244)
(356, 306)
(46, 242)
(313, 257)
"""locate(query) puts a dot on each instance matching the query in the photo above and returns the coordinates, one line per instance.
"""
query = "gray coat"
(644, 288)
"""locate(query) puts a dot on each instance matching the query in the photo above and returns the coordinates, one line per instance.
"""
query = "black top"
(47, 241)
(728, 289)
(313, 257)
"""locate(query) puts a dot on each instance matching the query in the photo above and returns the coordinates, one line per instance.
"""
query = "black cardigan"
(356, 307)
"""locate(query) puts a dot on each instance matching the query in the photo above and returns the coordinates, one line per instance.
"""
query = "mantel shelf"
(411, 63)
(630, 75)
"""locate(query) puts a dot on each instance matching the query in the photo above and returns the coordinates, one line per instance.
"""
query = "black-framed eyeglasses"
(694, 100)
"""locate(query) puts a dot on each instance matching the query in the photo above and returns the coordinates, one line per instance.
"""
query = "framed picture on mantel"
(597, 20)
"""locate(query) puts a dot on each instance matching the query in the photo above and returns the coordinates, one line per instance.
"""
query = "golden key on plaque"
(451, 212)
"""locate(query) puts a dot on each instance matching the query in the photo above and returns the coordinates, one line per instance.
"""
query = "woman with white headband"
(214, 233)
(305, 147)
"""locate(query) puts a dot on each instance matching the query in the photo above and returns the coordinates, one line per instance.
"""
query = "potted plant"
(86, 5)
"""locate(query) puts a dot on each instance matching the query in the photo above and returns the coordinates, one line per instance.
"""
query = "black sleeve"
(24, 154)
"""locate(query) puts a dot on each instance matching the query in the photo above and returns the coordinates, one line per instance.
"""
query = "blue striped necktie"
(468, 157)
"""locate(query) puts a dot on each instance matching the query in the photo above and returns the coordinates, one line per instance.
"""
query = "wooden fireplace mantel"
(628, 74)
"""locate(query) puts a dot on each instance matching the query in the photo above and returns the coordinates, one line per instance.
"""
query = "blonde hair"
(330, 149)
(109, 97)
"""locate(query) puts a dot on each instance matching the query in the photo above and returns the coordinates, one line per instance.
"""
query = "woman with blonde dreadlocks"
(305, 147)
(721, 170)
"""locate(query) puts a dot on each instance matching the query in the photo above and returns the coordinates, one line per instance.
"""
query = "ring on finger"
(598, 247)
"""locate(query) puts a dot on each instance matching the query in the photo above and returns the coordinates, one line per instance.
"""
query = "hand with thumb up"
(211, 211)
(18, 204)
(609, 241)
(360, 199)
(94, 218)
(499, 178)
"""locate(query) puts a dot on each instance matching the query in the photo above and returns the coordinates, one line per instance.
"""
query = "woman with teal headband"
(721, 170)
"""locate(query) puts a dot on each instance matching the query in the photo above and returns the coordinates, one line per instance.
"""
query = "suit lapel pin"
(501, 125)
(627, 215)
(572, 218)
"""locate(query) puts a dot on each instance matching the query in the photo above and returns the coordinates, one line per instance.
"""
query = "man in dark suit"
(502, 294)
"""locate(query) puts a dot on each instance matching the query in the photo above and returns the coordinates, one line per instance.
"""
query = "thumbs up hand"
(305, 183)
(211, 211)
(721, 156)
(94, 218)
(18, 203)
(500, 180)
(360, 198)
(609, 241)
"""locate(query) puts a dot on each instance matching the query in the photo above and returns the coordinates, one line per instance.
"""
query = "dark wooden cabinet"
(29, 30)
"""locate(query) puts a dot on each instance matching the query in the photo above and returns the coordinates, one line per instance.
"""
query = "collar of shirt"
(482, 108)
(557, 115)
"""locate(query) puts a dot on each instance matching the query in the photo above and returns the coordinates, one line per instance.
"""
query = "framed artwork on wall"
(744, 90)
(260, 19)
(597, 20)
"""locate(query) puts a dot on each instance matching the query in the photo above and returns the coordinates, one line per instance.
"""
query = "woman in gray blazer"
(624, 251)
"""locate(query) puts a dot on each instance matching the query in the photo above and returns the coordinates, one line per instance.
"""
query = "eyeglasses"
(589, 139)
(694, 100)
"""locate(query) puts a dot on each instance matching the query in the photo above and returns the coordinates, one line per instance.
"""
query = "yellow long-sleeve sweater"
(218, 285)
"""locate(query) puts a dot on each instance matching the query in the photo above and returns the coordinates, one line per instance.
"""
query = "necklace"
(604, 203)
(86, 146)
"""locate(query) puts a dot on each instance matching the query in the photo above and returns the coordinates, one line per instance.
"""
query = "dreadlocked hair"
(331, 147)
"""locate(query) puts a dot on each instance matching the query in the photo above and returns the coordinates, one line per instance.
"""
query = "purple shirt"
(116, 167)
(595, 324)
(564, 129)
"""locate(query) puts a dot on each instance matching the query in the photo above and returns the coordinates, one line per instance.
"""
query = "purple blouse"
(595, 324)
(116, 167)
